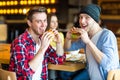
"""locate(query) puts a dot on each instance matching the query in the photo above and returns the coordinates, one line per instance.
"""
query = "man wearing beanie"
(100, 45)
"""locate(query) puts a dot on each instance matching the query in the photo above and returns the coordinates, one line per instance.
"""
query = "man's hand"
(45, 40)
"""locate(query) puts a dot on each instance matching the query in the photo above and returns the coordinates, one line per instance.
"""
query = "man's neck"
(34, 36)
(94, 31)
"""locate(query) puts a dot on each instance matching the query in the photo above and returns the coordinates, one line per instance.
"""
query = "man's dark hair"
(34, 10)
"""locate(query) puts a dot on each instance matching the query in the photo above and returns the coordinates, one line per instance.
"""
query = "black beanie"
(92, 10)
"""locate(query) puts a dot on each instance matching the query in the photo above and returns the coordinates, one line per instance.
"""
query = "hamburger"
(75, 35)
(51, 31)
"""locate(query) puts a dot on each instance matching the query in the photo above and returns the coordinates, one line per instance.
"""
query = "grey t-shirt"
(93, 68)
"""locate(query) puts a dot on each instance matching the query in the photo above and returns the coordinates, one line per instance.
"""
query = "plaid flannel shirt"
(23, 50)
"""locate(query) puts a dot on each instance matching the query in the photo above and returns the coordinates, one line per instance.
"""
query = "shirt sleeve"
(76, 45)
(54, 58)
(20, 59)
(110, 58)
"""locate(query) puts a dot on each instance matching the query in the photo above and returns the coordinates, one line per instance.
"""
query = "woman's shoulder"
(61, 34)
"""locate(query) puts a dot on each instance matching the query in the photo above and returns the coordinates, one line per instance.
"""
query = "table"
(66, 66)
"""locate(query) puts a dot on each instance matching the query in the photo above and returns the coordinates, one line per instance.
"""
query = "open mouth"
(83, 27)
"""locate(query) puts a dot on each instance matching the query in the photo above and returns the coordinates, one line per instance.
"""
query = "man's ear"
(29, 23)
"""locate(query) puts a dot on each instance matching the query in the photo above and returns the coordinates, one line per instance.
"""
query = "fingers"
(55, 32)
(47, 36)
(76, 30)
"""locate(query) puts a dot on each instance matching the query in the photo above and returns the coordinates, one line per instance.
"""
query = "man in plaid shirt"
(31, 52)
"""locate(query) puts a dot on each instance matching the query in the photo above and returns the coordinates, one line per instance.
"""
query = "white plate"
(76, 57)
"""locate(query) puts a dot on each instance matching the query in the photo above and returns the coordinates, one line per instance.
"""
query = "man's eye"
(38, 21)
(80, 17)
(45, 20)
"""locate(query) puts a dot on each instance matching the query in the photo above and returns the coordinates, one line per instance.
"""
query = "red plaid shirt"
(23, 50)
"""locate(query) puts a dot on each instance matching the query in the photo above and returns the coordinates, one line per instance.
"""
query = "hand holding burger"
(56, 37)
(75, 34)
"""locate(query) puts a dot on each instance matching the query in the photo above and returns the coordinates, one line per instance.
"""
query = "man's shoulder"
(107, 32)
(22, 38)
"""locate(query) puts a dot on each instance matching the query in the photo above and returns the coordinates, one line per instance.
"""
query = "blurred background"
(13, 14)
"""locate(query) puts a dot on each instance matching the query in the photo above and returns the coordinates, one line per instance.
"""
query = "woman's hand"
(57, 37)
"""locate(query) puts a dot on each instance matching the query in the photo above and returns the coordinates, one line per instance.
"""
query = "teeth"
(84, 26)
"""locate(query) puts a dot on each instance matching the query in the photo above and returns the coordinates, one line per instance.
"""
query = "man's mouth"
(83, 27)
